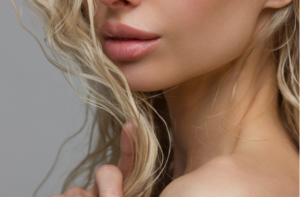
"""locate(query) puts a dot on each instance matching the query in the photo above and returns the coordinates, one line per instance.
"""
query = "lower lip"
(126, 50)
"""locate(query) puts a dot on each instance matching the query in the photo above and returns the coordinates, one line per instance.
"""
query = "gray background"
(38, 111)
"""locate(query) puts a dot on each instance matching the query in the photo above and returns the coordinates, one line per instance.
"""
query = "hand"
(109, 178)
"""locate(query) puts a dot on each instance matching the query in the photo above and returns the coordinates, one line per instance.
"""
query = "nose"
(116, 4)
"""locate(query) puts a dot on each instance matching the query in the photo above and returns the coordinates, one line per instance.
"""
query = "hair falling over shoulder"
(76, 50)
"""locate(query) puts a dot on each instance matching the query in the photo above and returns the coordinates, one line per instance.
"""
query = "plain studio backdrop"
(38, 111)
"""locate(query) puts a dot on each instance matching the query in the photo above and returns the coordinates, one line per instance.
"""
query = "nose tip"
(114, 4)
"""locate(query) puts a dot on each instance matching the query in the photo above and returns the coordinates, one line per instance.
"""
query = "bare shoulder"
(229, 176)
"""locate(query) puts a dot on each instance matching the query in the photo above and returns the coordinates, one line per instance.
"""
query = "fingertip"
(107, 170)
(109, 179)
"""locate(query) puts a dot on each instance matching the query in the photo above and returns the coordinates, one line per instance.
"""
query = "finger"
(108, 182)
(74, 192)
(126, 162)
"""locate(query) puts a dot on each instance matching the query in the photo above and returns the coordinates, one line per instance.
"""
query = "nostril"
(125, 2)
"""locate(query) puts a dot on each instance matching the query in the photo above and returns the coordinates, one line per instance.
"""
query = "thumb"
(126, 162)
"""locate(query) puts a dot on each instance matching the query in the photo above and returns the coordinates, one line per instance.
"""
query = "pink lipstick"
(125, 43)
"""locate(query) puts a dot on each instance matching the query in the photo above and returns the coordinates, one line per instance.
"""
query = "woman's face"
(196, 36)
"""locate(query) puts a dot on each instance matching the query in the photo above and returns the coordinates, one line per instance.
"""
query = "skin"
(201, 42)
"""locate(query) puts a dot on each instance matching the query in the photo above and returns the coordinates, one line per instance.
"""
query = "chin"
(143, 85)
(143, 77)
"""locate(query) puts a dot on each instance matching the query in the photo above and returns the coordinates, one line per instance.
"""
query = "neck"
(207, 122)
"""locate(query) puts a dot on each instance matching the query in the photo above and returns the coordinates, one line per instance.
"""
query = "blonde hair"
(75, 47)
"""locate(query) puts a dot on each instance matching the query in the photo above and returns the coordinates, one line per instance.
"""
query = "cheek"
(210, 33)
(100, 12)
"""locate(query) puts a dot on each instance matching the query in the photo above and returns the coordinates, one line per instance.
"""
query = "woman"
(223, 76)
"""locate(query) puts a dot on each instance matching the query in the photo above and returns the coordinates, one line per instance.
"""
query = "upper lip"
(120, 30)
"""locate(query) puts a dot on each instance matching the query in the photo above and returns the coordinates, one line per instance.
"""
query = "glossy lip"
(125, 43)
(108, 30)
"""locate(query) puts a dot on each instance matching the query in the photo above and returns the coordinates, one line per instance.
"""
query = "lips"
(125, 43)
